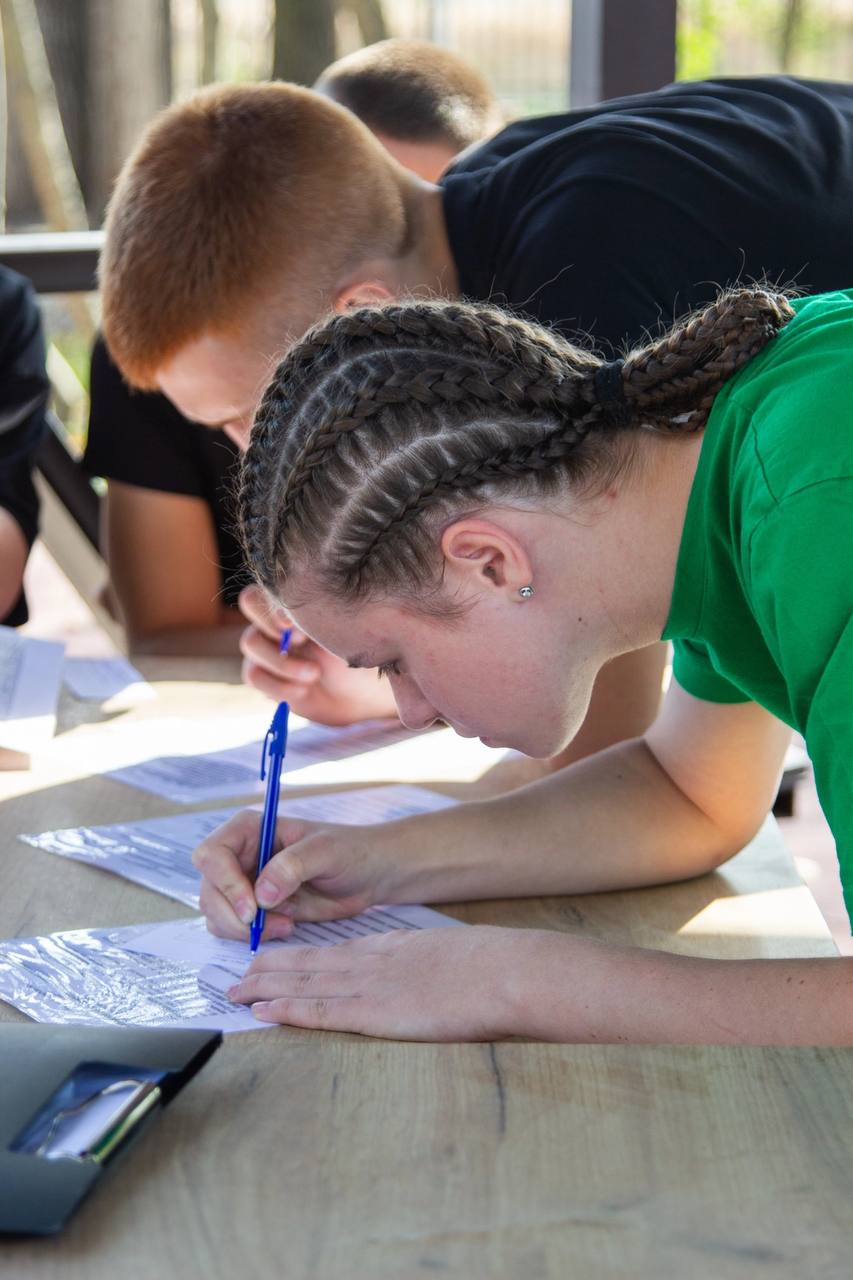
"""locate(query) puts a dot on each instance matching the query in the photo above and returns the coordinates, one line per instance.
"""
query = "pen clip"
(265, 752)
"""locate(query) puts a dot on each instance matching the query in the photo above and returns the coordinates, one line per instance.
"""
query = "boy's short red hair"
(243, 195)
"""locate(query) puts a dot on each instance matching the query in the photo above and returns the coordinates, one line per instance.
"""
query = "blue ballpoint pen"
(272, 760)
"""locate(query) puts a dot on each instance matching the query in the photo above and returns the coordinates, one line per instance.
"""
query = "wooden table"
(304, 1154)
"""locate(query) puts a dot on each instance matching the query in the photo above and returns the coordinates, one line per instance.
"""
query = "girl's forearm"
(583, 991)
(614, 821)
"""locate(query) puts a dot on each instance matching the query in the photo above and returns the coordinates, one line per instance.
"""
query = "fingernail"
(231, 993)
(259, 1008)
(267, 894)
(246, 910)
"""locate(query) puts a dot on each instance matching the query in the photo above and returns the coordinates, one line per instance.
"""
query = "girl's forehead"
(352, 631)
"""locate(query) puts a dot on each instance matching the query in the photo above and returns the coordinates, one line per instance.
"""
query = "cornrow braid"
(684, 370)
(385, 422)
(473, 335)
(326, 366)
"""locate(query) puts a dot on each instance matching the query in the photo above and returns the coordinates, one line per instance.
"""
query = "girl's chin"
(537, 746)
(526, 748)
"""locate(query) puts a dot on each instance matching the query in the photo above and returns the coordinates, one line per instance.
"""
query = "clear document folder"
(72, 1100)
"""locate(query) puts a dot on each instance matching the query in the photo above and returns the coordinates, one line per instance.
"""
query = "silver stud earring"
(525, 592)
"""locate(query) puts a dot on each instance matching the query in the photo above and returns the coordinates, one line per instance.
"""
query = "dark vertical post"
(3, 133)
(620, 47)
(303, 39)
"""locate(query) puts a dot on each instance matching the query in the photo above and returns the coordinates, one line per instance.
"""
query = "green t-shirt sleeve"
(829, 737)
(800, 582)
(693, 669)
(801, 568)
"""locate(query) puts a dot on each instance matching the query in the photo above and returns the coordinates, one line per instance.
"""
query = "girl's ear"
(480, 554)
(363, 293)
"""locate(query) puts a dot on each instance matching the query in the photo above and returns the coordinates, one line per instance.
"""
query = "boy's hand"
(316, 873)
(317, 685)
(432, 984)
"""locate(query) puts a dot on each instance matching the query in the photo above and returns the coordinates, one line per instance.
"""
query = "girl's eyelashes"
(388, 669)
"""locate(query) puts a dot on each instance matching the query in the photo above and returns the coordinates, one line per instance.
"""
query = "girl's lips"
(460, 730)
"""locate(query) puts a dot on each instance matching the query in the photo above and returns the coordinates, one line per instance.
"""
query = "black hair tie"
(610, 392)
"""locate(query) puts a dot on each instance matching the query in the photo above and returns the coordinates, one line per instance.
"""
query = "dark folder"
(71, 1100)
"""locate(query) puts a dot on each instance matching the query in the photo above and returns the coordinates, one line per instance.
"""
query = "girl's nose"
(414, 710)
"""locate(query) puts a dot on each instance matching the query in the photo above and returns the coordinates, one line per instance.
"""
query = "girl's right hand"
(317, 872)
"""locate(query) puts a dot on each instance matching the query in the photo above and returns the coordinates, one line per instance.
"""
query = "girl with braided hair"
(489, 515)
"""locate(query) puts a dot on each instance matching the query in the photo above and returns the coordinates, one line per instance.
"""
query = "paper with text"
(157, 852)
(99, 679)
(313, 752)
(167, 975)
(30, 672)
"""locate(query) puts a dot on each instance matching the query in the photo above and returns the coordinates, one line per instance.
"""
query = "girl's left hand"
(317, 685)
(431, 984)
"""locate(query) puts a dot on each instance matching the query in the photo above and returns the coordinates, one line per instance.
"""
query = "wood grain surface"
(307, 1154)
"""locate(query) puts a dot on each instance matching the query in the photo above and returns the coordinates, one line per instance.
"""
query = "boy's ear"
(363, 293)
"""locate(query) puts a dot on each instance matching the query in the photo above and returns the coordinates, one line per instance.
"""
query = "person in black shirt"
(23, 397)
(175, 565)
(603, 222)
(617, 219)
(168, 532)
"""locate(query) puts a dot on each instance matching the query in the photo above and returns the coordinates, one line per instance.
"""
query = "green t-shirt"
(762, 607)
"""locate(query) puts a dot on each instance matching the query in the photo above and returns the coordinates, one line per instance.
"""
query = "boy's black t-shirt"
(613, 220)
(23, 398)
(140, 438)
(609, 222)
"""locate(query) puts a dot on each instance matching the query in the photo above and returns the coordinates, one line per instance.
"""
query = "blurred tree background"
(83, 78)
(812, 38)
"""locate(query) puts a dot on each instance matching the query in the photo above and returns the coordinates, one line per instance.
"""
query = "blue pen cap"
(278, 729)
(275, 741)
